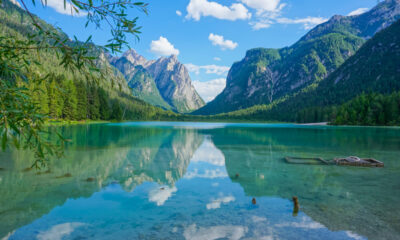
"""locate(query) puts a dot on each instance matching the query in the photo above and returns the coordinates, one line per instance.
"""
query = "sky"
(210, 35)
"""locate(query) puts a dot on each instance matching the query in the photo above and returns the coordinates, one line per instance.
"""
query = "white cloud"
(264, 5)
(358, 11)
(269, 13)
(179, 13)
(68, 10)
(59, 231)
(162, 47)
(217, 59)
(306, 223)
(210, 69)
(160, 195)
(215, 232)
(218, 40)
(198, 8)
(214, 204)
(210, 89)
(210, 174)
(261, 24)
(308, 22)
(208, 153)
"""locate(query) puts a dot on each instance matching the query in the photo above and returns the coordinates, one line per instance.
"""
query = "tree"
(93, 103)
(104, 109)
(21, 123)
(81, 95)
(70, 101)
(116, 111)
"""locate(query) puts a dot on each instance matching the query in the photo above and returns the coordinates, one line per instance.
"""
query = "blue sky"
(210, 35)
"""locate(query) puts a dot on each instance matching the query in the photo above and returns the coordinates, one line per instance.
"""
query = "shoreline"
(314, 124)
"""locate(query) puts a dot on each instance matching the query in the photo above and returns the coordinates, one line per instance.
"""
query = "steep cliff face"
(163, 82)
(144, 87)
(265, 75)
(173, 81)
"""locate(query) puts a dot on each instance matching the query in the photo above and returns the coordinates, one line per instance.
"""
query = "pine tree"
(39, 96)
(104, 109)
(70, 101)
(81, 95)
(116, 111)
(55, 99)
(93, 103)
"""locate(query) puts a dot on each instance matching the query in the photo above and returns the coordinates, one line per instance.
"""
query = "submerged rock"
(65, 175)
(90, 179)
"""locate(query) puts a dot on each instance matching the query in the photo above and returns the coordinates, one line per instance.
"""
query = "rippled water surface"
(197, 181)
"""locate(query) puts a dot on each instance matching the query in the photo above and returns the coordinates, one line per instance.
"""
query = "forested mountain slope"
(70, 95)
(267, 75)
(375, 68)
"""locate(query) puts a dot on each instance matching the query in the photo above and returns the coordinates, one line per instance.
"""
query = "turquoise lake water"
(165, 180)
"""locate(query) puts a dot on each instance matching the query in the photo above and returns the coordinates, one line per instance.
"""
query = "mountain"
(164, 82)
(267, 75)
(67, 94)
(373, 69)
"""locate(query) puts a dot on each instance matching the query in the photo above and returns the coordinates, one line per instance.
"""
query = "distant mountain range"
(164, 82)
(375, 68)
(272, 76)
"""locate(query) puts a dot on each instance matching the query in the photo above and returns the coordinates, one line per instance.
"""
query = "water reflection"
(178, 181)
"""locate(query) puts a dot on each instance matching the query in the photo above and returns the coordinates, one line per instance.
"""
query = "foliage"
(373, 69)
(370, 109)
(144, 87)
(45, 75)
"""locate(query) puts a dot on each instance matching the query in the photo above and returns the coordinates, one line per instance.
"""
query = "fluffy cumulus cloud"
(358, 11)
(209, 69)
(308, 22)
(179, 13)
(210, 89)
(217, 59)
(218, 40)
(266, 12)
(68, 9)
(162, 47)
(203, 8)
(264, 5)
(269, 12)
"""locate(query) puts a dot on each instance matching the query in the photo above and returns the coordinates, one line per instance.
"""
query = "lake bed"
(172, 180)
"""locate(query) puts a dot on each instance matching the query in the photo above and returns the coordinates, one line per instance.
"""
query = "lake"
(167, 180)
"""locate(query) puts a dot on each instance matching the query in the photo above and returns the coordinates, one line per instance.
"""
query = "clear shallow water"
(177, 181)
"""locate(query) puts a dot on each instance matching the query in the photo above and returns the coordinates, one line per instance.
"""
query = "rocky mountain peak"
(171, 78)
(133, 57)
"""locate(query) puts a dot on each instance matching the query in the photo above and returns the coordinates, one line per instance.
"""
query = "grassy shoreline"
(61, 122)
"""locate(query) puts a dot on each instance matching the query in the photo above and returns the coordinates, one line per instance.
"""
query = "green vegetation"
(266, 75)
(367, 110)
(373, 69)
(144, 87)
(273, 77)
(45, 75)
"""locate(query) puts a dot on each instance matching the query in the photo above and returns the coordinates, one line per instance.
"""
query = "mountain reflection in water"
(196, 181)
